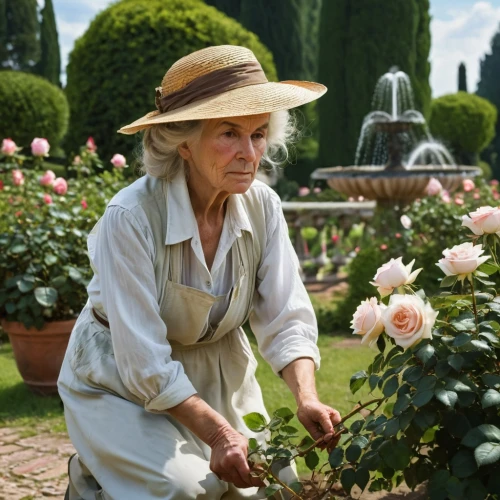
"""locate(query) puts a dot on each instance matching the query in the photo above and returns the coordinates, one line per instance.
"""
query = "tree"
(357, 46)
(19, 35)
(49, 65)
(489, 88)
(232, 8)
(462, 78)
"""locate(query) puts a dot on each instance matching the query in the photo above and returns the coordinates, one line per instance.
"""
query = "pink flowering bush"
(45, 221)
(430, 411)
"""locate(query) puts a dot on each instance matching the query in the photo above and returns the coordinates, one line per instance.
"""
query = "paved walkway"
(32, 468)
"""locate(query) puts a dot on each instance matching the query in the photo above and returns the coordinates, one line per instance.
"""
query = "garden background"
(63, 119)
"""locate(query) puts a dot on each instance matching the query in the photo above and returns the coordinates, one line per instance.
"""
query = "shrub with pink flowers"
(45, 220)
(430, 406)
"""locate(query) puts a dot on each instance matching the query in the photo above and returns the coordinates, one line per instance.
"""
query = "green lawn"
(19, 407)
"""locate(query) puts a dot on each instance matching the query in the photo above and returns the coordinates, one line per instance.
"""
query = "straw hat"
(221, 81)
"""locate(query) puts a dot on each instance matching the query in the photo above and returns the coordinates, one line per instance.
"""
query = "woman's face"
(226, 156)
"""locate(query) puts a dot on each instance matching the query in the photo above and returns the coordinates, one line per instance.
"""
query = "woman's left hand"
(319, 420)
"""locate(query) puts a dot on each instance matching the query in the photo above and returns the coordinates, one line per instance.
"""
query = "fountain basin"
(376, 183)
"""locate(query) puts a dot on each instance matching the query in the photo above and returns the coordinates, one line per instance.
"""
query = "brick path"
(33, 468)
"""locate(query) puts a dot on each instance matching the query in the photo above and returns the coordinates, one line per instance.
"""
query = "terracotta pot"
(39, 353)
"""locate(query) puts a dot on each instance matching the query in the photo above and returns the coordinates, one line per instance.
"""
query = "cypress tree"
(356, 48)
(462, 78)
(3, 32)
(20, 44)
(50, 61)
(231, 8)
(489, 88)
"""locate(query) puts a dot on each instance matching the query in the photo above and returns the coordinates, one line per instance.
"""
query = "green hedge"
(465, 122)
(115, 66)
(31, 106)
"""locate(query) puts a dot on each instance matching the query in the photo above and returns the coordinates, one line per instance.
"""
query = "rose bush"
(44, 267)
(434, 412)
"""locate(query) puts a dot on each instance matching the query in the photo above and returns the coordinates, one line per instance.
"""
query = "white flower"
(392, 275)
(366, 321)
(484, 220)
(405, 221)
(408, 319)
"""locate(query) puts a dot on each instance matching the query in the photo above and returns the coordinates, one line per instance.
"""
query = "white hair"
(159, 155)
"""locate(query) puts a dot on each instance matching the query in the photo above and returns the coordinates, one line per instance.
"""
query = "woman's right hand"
(229, 459)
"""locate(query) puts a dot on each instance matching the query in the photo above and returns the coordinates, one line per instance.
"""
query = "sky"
(461, 32)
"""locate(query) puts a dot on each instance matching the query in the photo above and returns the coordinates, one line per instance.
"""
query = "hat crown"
(202, 62)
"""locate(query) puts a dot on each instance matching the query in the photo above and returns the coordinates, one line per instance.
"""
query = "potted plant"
(44, 268)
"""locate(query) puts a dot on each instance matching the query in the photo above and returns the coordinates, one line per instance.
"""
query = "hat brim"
(244, 101)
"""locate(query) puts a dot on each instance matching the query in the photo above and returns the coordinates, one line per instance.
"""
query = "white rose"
(483, 220)
(394, 274)
(462, 260)
(367, 321)
(408, 320)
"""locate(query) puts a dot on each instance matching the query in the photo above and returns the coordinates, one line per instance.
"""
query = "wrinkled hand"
(229, 459)
(319, 420)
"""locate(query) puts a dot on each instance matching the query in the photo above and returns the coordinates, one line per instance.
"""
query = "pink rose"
(462, 260)
(17, 178)
(477, 196)
(494, 182)
(60, 186)
(8, 147)
(40, 147)
(335, 238)
(357, 249)
(48, 178)
(459, 201)
(445, 197)
(91, 145)
(1, 185)
(118, 161)
(483, 220)
(84, 204)
(398, 235)
(394, 274)
(350, 198)
(468, 185)
(317, 190)
(434, 187)
(408, 319)
(361, 198)
(383, 246)
(47, 199)
(304, 191)
(77, 160)
(367, 321)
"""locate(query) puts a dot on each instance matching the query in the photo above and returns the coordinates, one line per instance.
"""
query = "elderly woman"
(159, 373)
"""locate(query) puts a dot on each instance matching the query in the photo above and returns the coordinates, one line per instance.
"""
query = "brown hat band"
(211, 84)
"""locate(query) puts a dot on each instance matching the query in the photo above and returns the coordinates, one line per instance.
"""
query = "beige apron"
(127, 453)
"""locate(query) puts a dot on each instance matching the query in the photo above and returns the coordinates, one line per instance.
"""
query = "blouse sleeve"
(283, 319)
(123, 259)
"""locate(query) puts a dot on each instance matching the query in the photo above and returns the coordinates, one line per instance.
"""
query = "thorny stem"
(341, 431)
(471, 280)
(278, 480)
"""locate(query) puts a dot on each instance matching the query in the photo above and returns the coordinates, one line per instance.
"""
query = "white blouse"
(121, 251)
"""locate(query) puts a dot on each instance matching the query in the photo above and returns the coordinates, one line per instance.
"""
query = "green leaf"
(58, 281)
(480, 344)
(10, 307)
(442, 368)
(370, 460)
(46, 296)
(448, 398)
(19, 248)
(312, 460)
(50, 259)
(348, 479)
(306, 442)
(487, 453)
(360, 441)
(357, 426)
(491, 380)
(288, 430)
(362, 477)
(401, 404)
(456, 361)
(75, 274)
(490, 398)
(488, 268)
(25, 286)
(425, 353)
(285, 413)
(400, 359)
(448, 281)
(391, 386)
(396, 455)
(490, 337)
(357, 381)
(252, 445)
(352, 453)
(481, 434)
(272, 489)
(296, 486)
(392, 427)
(381, 343)
(421, 398)
(336, 457)
(373, 381)
(413, 373)
(462, 339)
(463, 464)
(255, 421)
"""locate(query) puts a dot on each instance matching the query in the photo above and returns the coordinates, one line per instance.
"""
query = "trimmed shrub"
(465, 122)
(31, 106)
(115, 66)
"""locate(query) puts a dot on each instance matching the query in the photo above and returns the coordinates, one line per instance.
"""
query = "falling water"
(430, 153)
(393, 94)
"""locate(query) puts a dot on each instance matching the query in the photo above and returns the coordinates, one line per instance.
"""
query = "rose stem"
(471, 280)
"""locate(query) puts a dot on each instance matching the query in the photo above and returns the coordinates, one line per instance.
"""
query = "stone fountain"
(396, 155)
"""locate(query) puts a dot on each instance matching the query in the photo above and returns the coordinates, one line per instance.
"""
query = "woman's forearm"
(299, 376)
(201, 419)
